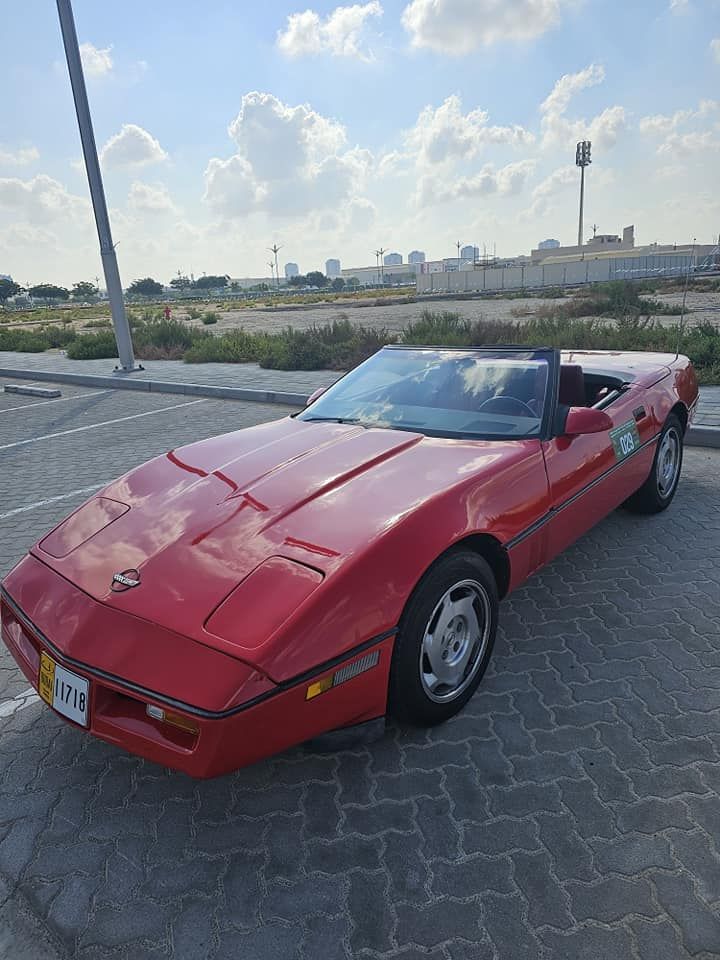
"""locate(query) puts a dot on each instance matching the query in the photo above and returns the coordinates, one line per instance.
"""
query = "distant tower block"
(332, 268)
(291, 270)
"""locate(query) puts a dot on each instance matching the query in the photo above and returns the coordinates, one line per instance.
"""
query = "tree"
(8, 288)
(337, 284)
(316, 279)
(235, 286)
(210, 283)
(84, 290)
(48, 291)
(353, 282)
(180, 283)
(147, 287)
(299, 281)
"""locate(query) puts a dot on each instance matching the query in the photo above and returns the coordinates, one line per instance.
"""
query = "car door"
(592, 474)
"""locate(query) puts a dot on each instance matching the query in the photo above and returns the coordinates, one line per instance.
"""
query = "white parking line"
(43, 503)
(92, 426)
(18, 702)
(44, 403)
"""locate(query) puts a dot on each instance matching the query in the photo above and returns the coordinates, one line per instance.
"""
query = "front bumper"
(216, 741)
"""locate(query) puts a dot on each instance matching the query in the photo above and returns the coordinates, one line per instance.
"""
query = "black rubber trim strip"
(553, 512)
(179, 704)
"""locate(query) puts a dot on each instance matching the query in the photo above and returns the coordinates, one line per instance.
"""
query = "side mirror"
(582, 420)
(314, 395)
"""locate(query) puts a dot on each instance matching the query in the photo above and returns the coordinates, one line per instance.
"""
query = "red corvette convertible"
(255, 590)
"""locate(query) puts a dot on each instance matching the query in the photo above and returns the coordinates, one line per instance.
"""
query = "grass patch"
(341, 345)
(210, 317)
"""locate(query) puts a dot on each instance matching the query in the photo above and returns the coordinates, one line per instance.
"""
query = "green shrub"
(26, 341)
(235, 346)
(193, 313)
(101, 324)
(93, 346)
(209, 317)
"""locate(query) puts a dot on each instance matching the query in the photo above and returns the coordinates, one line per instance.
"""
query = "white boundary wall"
(570, 273)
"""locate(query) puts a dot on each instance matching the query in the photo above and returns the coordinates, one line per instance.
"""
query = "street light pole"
(582, 160)
(274, 249)
(97, 193)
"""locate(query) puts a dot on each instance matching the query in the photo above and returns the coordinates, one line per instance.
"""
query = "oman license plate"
(63, 690)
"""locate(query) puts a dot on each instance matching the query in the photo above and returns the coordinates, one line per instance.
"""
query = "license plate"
(63, 690)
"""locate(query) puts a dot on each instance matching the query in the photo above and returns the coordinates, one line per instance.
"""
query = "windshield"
(473, 393)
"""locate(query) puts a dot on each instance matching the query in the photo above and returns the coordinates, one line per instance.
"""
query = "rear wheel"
(659, 489)
(445, 640)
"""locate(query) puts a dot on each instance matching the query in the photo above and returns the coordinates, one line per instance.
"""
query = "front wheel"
(659, 489)
(445, 640)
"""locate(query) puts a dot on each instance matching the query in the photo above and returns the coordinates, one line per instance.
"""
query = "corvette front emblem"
(125, 580)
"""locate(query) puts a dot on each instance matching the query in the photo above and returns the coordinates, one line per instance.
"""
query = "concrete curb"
(121, 382)
(703, 437)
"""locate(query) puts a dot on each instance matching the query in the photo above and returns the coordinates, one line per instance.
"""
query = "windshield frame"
(550, 355)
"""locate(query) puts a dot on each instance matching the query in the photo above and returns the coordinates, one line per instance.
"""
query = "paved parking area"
(570, 813)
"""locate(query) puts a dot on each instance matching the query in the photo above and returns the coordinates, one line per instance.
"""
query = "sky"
(334, 130)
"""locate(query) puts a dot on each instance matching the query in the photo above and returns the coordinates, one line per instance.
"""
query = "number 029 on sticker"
(625, 439)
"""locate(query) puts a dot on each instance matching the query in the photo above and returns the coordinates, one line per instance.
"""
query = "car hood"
(191, 525)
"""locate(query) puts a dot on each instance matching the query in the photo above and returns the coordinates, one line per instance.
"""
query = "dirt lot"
(394, 315)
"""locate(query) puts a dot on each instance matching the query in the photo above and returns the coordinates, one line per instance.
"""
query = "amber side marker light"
(174, 719)
(341, 676)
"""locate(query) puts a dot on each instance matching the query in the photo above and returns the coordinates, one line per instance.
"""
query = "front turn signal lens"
(174, 719)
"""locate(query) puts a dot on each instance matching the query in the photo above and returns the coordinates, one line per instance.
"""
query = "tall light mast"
(582, 160)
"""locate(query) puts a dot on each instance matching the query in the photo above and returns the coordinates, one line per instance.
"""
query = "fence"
(570, 273)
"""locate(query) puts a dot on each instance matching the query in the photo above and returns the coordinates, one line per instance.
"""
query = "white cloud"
(715, 48)
(289, 159)
(444, 133)
(458, 27)
(132, 147)
(40, 199)
(342, 33)
(683, 143)
(19, 158)
(604, 130)
(508, 180)
(150, 198)
(679, 6)
(689, 144)
(96, 62)
(554, 183)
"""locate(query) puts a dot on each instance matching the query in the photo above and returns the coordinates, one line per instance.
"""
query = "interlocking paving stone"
(571, 812)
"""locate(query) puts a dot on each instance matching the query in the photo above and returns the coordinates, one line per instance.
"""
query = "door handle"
(639, 413)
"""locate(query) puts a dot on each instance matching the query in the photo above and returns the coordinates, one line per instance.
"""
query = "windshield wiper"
(329, 420)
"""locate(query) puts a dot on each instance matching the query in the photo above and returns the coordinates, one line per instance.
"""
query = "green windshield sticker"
(625, 439)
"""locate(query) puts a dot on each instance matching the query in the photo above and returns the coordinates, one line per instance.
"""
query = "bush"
(193, 313)
(26, 341)
(93, 346)
(101, 324)
(236, 346)
(210, 316)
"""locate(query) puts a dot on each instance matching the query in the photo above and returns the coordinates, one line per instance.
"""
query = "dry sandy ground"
(396, 315)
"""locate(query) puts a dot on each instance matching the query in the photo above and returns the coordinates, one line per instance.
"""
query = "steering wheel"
(508, 405)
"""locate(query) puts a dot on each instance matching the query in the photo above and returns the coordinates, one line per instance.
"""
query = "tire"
(657, 492)
(460, 641)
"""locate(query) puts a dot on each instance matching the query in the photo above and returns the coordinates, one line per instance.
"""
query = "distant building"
(332, 268)
(416, 256)
(392, 259)
(548, 244)
(371, 276)
(469, 252)
(291, 270)
(599, 243)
